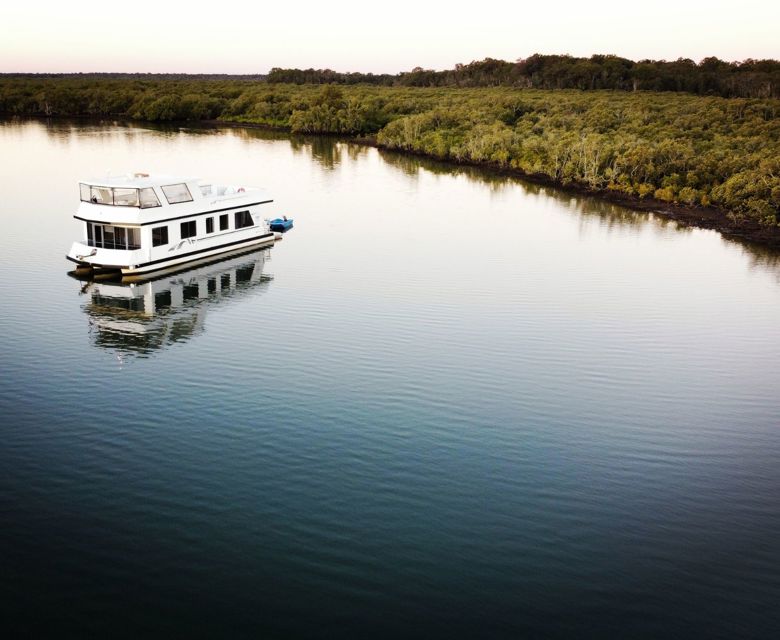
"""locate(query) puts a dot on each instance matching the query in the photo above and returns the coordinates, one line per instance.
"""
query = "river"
(447, 404)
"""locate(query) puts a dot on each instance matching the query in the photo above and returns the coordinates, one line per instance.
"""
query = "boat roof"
(138, 180)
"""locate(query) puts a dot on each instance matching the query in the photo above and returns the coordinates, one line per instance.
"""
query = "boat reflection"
(135, 316)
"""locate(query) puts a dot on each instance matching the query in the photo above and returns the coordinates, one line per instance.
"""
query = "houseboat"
(141, 223)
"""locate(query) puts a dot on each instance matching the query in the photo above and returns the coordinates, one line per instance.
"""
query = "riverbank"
(702, 217)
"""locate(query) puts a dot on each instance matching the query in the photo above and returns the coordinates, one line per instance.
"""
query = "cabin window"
(133, 238)
(223, 222)
(108, 236)
(159, 236)
(101, 195)
(188, 229)
(119, 197)
(209, 225)
(126, 197)
(175, 193)
(243, 219)
(148, 198)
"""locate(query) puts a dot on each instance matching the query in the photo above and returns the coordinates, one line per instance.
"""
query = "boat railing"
(120, 246)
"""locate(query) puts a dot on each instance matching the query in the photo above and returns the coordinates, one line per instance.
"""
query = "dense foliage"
(711, 76)
(680, 148)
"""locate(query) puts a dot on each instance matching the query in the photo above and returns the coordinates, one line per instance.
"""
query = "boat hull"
(96, 265)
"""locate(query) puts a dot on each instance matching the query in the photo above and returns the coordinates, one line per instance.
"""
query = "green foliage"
(678, 148)
(748, 79)
(753, 193)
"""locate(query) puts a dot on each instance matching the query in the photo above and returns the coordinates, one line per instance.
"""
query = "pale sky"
(382, 37)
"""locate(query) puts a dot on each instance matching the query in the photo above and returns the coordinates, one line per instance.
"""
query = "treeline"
(711, 76)
(677, 148)
(138, 97)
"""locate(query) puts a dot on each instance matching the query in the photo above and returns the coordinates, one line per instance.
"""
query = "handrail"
(102, 244)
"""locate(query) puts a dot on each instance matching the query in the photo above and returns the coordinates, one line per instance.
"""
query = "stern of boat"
(94, 259)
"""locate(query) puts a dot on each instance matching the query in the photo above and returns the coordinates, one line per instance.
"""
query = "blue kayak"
(281, 224)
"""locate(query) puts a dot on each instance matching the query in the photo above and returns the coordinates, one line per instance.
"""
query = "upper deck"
(142, 198)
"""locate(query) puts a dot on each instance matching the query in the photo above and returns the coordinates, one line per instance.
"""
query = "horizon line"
(515, 61)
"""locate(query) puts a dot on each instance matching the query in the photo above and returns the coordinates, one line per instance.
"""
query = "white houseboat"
(142, 223)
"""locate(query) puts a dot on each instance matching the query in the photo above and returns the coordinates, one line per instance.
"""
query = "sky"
(238, 37)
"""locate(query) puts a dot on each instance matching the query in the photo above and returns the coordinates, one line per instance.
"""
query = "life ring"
(241, 189)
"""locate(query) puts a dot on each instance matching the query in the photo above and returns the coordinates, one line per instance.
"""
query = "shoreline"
(711, 218)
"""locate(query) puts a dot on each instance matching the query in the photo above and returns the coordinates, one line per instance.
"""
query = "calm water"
(446, 405)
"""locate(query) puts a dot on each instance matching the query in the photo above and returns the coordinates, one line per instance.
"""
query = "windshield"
(119, 196)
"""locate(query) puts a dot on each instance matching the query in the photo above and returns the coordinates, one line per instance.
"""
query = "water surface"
(448, 404)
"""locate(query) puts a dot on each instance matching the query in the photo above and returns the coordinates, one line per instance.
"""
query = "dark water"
(446, 405)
